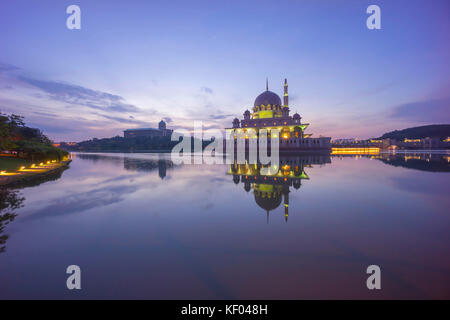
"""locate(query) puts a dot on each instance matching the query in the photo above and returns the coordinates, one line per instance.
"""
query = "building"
(161, 131)
(393, 144)
(270, 113)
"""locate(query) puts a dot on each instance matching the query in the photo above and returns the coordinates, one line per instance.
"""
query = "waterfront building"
(161, 131)
(270, 113)
(393, 144)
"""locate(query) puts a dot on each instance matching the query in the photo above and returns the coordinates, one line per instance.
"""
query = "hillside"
(433, 131)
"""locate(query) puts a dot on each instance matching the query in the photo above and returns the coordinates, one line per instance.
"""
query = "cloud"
(7, 67)
(207, 90)
(122, 119)
(220, 116)
(205, 127)
(82, 201)
(168, 119)
(78, 95)
(57, 129)
(431, 111)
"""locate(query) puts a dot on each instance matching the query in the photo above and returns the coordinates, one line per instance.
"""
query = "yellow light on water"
(370, 150)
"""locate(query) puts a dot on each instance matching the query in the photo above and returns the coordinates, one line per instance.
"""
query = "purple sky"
(135, 62)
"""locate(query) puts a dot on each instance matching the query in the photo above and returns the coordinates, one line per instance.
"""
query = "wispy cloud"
(207, 90)
(78, 95)
(7, 67)
(67, 111)
(129, 120)
(220, 116)
(431, 111)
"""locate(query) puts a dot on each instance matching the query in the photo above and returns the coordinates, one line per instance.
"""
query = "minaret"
(286, 97)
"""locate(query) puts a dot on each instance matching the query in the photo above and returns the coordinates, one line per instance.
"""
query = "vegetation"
(11, 164)
(25, 142)
(120, 144)
(441, 131)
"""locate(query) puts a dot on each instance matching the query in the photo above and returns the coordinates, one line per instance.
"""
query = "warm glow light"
(412, 140)
(370, 150)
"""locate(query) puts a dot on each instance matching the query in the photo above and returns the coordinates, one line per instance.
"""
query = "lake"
(140, 226)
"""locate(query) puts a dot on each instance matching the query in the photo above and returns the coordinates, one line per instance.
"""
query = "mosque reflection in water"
(271, 185)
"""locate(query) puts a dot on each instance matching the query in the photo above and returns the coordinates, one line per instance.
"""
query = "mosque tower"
(286, 97)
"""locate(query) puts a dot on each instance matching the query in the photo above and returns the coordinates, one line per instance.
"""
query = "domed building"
(161, 131)
(270, 113)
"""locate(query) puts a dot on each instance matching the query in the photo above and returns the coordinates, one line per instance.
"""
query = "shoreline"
(29, 174)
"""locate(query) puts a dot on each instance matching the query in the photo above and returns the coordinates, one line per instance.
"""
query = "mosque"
(270, 113)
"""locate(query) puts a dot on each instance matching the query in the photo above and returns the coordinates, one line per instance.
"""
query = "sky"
(133, 63)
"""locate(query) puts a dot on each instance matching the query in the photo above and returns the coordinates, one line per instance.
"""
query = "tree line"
(25, 142)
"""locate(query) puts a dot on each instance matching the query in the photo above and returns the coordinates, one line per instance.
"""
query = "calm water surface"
(141, 227)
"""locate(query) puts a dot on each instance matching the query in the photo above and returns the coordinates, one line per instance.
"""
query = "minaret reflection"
(271, 185)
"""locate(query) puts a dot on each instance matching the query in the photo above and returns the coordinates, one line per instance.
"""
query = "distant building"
(161, 131)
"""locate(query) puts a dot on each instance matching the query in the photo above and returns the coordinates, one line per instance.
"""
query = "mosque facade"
(270, 113)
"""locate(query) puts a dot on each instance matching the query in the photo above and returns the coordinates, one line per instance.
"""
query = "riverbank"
(33, 172)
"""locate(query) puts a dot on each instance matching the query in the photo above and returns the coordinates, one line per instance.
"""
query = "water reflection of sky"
(141, 227)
